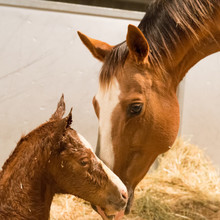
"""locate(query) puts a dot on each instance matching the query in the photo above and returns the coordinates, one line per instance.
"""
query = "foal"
(51, 159)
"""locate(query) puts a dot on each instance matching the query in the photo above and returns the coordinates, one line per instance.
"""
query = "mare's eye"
(135, 108)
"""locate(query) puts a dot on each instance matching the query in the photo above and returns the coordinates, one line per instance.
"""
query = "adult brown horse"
(136, 103)
(51, 159)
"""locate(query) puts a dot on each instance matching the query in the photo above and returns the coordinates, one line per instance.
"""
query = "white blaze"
(107, 99)
(84, 141)
(113, 177)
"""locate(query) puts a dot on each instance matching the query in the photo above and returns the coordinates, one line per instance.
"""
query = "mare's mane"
(165, 25)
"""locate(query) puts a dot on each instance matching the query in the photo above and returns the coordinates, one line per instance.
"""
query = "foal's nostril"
(124, 195)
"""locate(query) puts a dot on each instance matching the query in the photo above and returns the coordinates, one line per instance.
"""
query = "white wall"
(200, 121)
(41, 57)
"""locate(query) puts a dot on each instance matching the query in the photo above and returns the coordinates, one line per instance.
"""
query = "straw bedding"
(185, 185)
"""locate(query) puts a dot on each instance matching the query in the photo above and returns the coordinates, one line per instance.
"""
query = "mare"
(51, 159)
(136, 103)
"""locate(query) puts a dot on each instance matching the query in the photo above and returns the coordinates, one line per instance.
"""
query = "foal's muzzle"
(115, 207)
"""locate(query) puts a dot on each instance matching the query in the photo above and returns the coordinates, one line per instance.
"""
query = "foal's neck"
(24, 184)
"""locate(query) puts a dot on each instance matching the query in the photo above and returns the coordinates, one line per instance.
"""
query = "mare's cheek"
(136, 131)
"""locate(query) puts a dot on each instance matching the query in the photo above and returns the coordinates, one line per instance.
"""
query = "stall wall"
(200, 122)
(41, 57)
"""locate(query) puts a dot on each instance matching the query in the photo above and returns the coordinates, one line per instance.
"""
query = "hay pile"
(184, 186)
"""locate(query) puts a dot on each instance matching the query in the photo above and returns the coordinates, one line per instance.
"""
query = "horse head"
(75, 169)
(136, 106)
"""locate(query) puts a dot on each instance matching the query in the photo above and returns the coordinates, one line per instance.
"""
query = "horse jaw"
(118, 216)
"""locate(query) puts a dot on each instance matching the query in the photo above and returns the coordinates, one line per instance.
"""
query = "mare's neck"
(25, 186)
(180, 34)
(206, 46)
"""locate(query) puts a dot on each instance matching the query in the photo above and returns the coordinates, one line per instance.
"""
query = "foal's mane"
(32, 138)
(165, 25)
(13, 155)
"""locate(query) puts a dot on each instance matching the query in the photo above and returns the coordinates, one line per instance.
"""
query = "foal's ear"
(65, 122)
(58, 114)
(61, 128)
(69, 119)
(98, 48)
(137, 44)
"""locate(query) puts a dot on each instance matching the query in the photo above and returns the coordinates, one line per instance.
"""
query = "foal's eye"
(84, 162)
(135, 108)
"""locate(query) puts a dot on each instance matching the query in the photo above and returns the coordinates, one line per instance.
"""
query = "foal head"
(75, 169)
(136, 106)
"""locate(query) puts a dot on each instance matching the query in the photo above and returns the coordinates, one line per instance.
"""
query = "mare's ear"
(137, 44)
(98, 48)
(58, 114)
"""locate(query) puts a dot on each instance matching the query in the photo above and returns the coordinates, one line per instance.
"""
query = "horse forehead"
(108, 99)
(77, 137)
(84, 142)
(109, 95)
